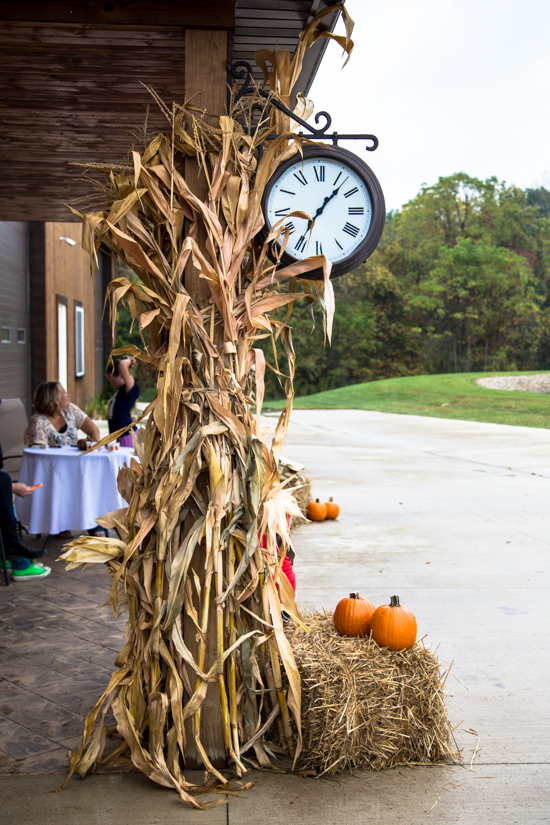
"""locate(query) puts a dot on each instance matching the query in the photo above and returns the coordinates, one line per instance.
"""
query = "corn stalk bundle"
(203, 596)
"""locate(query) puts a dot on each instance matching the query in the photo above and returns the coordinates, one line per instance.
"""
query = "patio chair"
(13, 423)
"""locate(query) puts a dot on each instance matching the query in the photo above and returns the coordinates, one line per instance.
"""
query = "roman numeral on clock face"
(281, 212)
(301, 178)
(351, 230)
(287, 192)
(301, 243)
(290, 226)
(319, 173)
(318, 248)
(351, 192)
(338, 176)
(354, 210)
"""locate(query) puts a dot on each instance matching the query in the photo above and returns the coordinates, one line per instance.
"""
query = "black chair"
(13, 421)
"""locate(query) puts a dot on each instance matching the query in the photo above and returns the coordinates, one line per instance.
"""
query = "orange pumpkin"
(333, 510)
(352, 616)
(316, 510)
(393, 626)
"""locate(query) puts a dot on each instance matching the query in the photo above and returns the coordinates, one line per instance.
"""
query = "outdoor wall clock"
(342, 196)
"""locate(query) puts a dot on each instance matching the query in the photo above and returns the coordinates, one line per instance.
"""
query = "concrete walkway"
(451, 516)
(454, 518)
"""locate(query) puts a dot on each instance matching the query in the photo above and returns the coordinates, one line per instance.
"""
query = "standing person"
(122, 402)
(56, 421)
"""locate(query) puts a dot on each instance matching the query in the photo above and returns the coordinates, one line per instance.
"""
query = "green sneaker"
(34, 570)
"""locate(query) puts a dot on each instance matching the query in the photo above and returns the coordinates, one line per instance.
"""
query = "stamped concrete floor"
(58, 645)
(451, 516)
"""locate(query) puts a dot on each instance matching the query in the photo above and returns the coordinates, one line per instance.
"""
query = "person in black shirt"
(122, 402)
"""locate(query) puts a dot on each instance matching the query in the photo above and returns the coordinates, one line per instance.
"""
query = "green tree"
(477, 218)
(372, 335)
(540, 198)
(486, 301)
(455, 208)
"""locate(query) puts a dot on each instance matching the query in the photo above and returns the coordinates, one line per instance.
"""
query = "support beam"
(206, 84)
(205, 77)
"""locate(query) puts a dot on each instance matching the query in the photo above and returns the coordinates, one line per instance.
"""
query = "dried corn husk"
(188, 566)
(299, 484)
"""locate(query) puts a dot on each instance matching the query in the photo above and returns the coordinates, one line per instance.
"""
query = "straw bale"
(368, 707)
(291, 472)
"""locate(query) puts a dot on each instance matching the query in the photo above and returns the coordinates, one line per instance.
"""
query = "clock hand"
(326, 200)
(320, 210)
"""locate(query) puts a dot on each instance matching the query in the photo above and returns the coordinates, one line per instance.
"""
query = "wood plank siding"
(74, 94)
(61, 273)
(68, 276)
(72, 75)
(202, 14)
(14, 312)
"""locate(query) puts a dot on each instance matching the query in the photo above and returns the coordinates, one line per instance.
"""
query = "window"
(21, 336)
(5, 335)
(62, 341)
(79, 332)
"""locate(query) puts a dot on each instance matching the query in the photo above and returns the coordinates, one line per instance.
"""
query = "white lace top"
(41, 432)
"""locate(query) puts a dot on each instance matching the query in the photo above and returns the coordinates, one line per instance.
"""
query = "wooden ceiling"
(263, 24)
(71, 75)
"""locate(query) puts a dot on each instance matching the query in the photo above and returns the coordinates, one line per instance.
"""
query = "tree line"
(459, 283)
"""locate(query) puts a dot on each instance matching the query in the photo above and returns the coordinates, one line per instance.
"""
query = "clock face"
(334, 196)
(340, 194)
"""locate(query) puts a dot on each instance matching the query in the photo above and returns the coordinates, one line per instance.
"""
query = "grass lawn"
(455, 395)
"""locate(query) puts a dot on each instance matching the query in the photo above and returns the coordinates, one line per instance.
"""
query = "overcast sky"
(447, 86)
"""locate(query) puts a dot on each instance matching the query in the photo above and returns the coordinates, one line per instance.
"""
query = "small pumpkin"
(393, 626)
(352, 616)
(333, 510)
(316, 510)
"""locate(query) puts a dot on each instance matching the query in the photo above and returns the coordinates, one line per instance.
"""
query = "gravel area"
(528, 383)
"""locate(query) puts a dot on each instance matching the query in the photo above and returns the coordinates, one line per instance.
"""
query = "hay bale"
(368, 707)
(291, 472)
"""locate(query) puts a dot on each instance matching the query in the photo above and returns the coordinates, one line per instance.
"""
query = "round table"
(76, 489)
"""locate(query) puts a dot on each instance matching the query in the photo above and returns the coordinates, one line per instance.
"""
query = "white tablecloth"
(76, 489)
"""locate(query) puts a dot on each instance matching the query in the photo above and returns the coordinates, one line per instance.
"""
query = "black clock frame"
(378, 218)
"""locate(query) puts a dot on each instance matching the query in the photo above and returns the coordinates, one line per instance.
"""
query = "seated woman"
(56, 424)
(57, 421)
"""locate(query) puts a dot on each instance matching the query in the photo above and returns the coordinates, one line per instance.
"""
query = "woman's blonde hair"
(46, 398)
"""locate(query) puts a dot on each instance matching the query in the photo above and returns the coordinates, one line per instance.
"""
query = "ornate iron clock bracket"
(241, 70)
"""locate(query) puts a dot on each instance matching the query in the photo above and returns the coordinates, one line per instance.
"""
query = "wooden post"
(205, 77)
